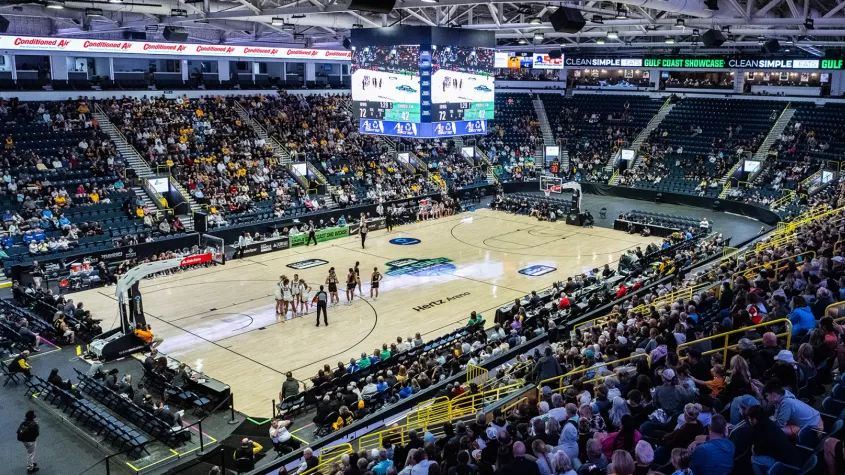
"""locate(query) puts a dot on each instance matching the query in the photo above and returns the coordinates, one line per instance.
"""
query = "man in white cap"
(670, 396)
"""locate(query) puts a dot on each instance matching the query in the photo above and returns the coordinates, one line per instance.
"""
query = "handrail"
(557, 381)
(333, 456)
(750, 271)
(726, 335)
(789, 197)
(476, 373)
(320, 178)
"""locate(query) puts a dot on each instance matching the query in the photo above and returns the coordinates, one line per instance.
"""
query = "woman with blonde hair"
(622, 463)
(739, 380)
(541, 452)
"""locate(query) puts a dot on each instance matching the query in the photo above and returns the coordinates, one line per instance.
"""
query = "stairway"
(641, 138)
(390, 145)
(778, 128)
(137, 163)
(545, 126)
(279, 152)
(131, 156)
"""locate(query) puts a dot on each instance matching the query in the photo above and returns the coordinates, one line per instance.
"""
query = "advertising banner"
(79, 45)
(322, 235)
(262, 247)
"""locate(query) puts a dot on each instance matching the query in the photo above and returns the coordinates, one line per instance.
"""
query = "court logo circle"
(405, 241)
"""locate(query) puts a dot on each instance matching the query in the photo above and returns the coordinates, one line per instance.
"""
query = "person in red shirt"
(622, 291)
(564, 302)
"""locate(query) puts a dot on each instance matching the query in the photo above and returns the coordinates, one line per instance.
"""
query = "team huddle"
(294, 295)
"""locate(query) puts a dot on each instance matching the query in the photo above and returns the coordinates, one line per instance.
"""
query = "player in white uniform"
(277, 294)
(294, 290)
(305, 297)
(287, 298)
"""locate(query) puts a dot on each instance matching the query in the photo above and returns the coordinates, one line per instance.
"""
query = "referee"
(363, 230)
(311, 233)
(322, 301)
(388, 219)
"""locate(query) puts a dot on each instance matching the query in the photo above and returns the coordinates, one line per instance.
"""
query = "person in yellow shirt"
(94, 196)
(10, 143)
(139, 211)
(61, 200)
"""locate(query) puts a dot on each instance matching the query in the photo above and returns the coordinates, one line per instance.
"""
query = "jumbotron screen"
(414, 91)
(386, 82)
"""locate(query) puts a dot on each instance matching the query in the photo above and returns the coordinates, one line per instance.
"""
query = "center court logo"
(405, 241)
(421, 267)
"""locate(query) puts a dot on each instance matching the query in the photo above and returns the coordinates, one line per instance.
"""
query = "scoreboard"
(421, 90)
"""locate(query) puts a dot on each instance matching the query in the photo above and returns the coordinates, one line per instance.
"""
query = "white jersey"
(278, 292)
(286, 295)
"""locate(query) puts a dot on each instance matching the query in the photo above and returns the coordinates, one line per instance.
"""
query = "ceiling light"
(598, 19)
(695, 32)
(297, 17)
(55, 6)
(679, 23)
(431, 1)
(357, 26)
(809, 24)
(670, 41)
(178, 12)
(277, 21)
(600, 41)
(612, 34)
(525, 10)
(535, 21)
(523, 41)
(115, 1)
(151, 28)
(93, 12)
(288, 26)
(539, 36)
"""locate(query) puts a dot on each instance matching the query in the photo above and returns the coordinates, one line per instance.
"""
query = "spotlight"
(621, 12)
(598, 19)
(56, 6)
(535, 21)
(612, 34)
(695, 32)
(277, 21)
(151, 28)
(809, 24)
(539, 36)
(679, 23)
(178, 12)
(600, 41)
(523, 41)
(670, 41)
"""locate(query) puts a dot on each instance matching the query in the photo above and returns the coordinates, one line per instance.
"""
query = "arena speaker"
(555, 54)
(567, 20)
(713, 38)
(175, 33)
(374, 6)
(771, 46)
(200, 222)
(4, 24)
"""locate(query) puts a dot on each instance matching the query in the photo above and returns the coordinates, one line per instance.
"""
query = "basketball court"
(221, 320)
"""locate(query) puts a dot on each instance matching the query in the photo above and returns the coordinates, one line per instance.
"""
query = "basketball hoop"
(548, 192)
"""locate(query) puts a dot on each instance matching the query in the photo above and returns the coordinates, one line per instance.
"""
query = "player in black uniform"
(331, 281)
(374, 281)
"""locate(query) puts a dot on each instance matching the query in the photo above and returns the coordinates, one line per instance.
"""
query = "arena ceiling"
(622, 26)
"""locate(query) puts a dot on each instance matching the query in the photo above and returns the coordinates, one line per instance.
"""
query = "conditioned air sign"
(79, 45)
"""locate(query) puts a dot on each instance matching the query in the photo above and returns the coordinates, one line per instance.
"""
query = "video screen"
(751, 166)
(383, 76)
(462, 74)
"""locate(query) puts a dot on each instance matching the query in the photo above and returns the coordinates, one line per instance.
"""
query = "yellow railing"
(476, 374)
(788, 197)
(613, 177)
(810, 216)
(509, 408)
(329, 457)
(726, 337)
(320, 178)
(751, 271)
(469, 404)
(810, 178)
(556, 383)
(832, 306)
(728, 252)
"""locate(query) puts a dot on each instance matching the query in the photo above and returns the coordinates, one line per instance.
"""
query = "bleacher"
(510, 138)
(727, 126)
(121, 436)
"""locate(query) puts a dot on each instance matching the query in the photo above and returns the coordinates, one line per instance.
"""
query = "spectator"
(716, 455)
(28, 432)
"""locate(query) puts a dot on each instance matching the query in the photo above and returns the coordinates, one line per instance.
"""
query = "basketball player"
(294, 290)
(358, 278)
(364, 230)
(277, 294)
(320, 299)
(331, 281)
(287, 298)
(374, 280)
(311, 233)
(304, 297)
(351, 282)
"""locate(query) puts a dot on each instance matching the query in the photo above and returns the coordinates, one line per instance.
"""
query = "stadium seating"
(514, 136)
(699, 141)
(595, 126)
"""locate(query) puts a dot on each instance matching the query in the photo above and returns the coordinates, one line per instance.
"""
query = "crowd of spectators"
(396, 59)
(696, 83)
